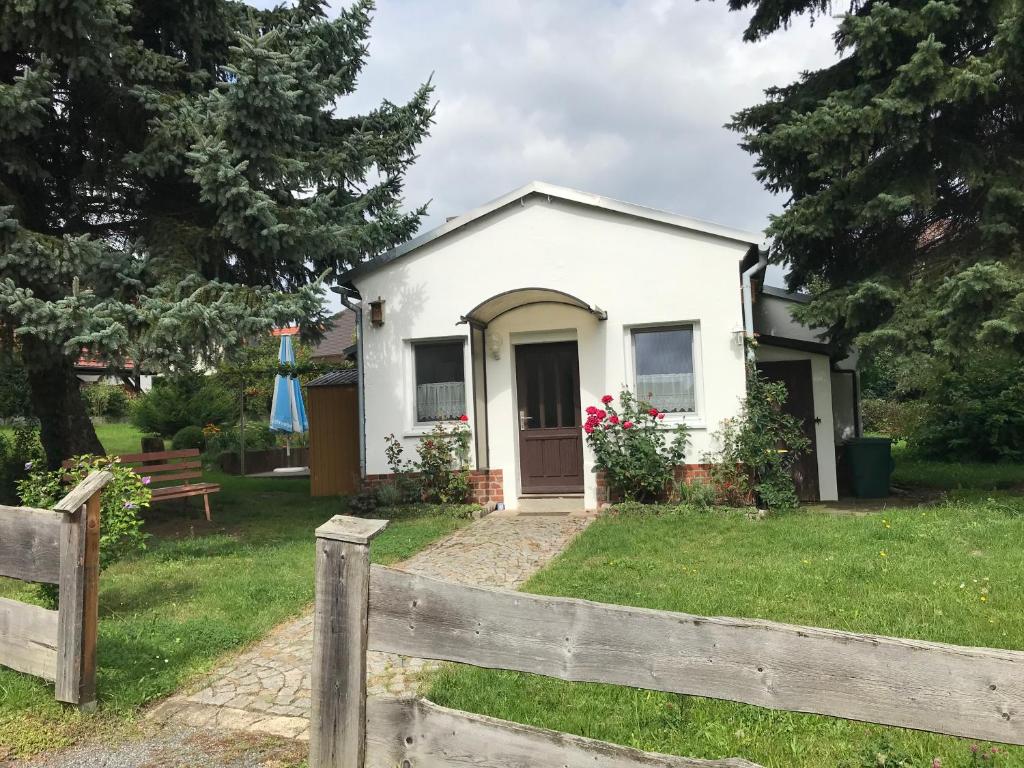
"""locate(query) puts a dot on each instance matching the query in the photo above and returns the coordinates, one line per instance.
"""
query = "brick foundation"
(485, 485)
(687, 472)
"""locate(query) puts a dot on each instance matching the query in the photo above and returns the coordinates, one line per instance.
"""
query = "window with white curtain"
(663, 365)
(440, 380)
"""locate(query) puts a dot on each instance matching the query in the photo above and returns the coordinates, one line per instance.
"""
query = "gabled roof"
(336, 378)
(337, 341)
(782, 293)
(543, 189)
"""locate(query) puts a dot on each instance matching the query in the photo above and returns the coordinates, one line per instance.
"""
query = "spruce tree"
(177, 177)
(903, 170)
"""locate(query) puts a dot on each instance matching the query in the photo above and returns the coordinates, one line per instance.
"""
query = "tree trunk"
(64, 425)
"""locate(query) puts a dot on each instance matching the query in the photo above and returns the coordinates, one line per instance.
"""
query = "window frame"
(414, 427)
(694, 419)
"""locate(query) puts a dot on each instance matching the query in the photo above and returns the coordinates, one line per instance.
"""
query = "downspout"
(748, 298)
(360, 372)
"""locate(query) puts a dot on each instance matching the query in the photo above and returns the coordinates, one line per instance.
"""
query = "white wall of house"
(824, 432)
(641, 273)
(145, 380)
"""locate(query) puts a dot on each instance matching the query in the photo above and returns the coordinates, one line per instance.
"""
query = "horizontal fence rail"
(961, 691)
(29, 544)
(418, 733)
(28, 639)
(971, 692)
(59, 546)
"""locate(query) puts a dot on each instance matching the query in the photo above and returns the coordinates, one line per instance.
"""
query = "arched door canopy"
(486, 312)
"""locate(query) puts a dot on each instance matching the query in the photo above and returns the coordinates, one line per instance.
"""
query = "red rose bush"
(630, 444)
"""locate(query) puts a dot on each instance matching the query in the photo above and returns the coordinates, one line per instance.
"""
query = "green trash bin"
(871, 466)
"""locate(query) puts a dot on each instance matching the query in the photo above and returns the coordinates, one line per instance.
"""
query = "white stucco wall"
(641, 273)
(821, 382)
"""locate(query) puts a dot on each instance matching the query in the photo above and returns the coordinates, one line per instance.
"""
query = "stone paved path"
(266, 689)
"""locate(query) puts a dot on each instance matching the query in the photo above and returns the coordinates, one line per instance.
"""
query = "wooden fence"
(961, 691)
(58, 546)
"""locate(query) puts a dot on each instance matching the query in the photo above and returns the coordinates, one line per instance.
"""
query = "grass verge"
(201, 590)
(946, 573)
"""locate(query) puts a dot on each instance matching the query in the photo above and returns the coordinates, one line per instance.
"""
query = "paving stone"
(266, 688)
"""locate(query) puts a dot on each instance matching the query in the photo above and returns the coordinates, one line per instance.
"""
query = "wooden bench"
(172, 467)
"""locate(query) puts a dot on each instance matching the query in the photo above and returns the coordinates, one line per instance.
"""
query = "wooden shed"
(332, 406)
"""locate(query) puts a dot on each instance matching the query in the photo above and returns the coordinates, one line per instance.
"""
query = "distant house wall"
(145, 381)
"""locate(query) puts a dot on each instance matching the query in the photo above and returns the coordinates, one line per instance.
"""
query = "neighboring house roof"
(338, 341)
(86, 363)
(540, 188)
(336, 378)
(782, 293)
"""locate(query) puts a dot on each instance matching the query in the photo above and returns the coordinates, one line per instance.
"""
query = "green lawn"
(947, 573)
(116, 438)
(119, 438)
(200, 591)
(942, 475)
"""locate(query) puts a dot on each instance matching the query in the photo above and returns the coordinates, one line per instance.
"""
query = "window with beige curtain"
(440, 380)
(663, 362)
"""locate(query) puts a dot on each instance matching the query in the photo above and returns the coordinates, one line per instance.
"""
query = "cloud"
(626, 98)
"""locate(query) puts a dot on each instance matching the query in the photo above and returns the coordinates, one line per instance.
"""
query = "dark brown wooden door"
(550, 435)
(796, 375)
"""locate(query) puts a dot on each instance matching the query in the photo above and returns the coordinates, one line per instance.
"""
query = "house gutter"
(345, 296)
(748, 298)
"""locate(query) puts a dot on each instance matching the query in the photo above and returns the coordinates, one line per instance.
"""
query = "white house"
(524, 311)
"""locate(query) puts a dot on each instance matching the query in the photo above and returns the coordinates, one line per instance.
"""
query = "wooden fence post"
(338, 718)
(71, 596)
(78, 593)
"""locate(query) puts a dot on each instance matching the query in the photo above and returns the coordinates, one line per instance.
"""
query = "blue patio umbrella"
(287, 411)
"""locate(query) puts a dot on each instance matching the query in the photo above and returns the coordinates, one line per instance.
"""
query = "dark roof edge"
(336, 378)
(782, 293)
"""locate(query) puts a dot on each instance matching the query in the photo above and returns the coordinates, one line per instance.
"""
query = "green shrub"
(440, 474)
(407, 484)
(443, 462)
(893, 418)
(631, 448)
(106, 400)
(121, 501)
(183, 400)
(973, 409)
(758, 449)
(258, 437)
(363, 504)
(389, 495)
(188, 437)
(697, 493)
(14, 390)
(19, 453)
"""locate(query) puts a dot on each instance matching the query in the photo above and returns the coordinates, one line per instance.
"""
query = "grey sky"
(625, 99)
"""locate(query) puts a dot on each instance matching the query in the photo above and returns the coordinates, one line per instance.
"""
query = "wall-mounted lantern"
(377, 312)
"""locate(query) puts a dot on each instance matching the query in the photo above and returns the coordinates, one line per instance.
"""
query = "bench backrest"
(166, 467)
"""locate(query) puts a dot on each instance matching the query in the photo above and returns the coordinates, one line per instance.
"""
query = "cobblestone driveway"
(266, 689)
